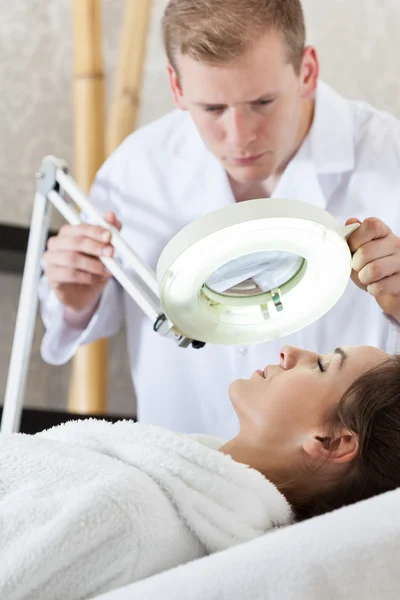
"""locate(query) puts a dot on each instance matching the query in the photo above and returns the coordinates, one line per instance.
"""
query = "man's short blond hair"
(219, 31)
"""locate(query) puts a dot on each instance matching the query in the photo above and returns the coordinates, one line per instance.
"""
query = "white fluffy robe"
(89, 506)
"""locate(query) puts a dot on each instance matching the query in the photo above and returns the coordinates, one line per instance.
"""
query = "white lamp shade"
(191, 258)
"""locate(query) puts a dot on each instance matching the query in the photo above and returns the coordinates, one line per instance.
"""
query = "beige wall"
(36, 89)
(357, 41)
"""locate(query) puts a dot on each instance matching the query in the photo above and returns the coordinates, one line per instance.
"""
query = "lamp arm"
(53, 183)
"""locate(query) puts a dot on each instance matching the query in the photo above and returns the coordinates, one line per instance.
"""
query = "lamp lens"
(255, 273)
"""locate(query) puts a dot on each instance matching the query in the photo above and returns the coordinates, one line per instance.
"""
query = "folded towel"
(89, 506)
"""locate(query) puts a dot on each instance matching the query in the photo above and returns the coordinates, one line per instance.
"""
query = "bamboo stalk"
(90, 365)
(128, 79)
(88, 393)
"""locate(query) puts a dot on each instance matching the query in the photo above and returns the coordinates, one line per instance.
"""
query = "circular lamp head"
(254, 271)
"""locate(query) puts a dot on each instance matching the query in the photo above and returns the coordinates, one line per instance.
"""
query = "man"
(254, 121)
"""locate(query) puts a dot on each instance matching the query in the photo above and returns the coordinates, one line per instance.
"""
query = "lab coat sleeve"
(393, 342)
(61, 340)
(393, 156)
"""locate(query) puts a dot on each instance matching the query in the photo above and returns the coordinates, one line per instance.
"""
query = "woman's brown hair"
(371, 409)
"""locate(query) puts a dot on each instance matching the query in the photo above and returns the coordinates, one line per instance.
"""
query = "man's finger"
(370, 229)
(75, 261)
(111, 218)
(85, 245)
(94, 232)
(385, 287)
(379, 269)
(373, 250)
(59, 276)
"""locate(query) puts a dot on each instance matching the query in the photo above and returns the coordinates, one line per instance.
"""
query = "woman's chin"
(237, 392)
(232, 388)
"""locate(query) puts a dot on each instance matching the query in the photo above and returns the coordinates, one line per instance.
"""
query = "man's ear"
(309, 72)
(176, 88)
(341, 448)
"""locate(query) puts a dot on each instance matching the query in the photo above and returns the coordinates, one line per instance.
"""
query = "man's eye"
(321, 365)
(262, 103)
(214, 109)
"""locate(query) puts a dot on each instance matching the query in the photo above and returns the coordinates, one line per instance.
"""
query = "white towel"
(90, 506)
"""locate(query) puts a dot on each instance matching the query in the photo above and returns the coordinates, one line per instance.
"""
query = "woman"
(324, 429)
(90, 506)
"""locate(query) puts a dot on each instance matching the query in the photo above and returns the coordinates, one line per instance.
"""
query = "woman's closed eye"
(324, 365)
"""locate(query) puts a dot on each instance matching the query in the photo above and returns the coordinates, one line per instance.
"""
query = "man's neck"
(253, 190)
(266, 187)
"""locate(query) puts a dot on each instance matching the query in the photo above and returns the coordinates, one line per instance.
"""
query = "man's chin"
(248, 175)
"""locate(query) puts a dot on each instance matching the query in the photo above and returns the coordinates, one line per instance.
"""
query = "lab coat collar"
(328, 148)
(330, 139)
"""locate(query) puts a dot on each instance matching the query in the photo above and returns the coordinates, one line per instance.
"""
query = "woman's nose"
(289, 356)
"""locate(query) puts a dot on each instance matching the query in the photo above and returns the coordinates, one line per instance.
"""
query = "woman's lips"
(263, 373)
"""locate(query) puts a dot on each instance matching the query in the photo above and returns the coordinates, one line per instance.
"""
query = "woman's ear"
(176, 88)
(341, 448)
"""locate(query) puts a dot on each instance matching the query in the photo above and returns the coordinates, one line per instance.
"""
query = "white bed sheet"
(351, 554)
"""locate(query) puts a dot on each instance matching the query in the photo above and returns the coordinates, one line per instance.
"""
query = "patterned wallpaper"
(357, 42)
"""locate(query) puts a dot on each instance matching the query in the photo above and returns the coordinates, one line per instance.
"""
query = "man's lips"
(247, 161)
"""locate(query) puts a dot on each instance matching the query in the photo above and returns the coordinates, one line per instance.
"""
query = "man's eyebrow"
(267, 96)
(342, 354)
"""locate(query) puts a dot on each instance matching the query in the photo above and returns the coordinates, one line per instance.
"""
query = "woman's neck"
(262, 458)
(287, 469)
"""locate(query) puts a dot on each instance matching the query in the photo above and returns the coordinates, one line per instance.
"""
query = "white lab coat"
(160, 179)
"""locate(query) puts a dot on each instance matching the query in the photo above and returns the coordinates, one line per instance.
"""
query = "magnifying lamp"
(254, 271)
(244, 274)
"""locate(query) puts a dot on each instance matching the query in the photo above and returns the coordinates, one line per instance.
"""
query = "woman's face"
(284, 402)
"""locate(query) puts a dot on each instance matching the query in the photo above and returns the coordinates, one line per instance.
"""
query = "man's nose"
(240, 129)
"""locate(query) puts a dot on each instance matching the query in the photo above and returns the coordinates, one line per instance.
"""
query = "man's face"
(249, 112)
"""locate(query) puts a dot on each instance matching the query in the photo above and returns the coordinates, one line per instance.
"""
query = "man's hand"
(73, 266)
(376, 263)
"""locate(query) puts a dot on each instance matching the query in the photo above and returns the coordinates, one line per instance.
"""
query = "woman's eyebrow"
(342, 354)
